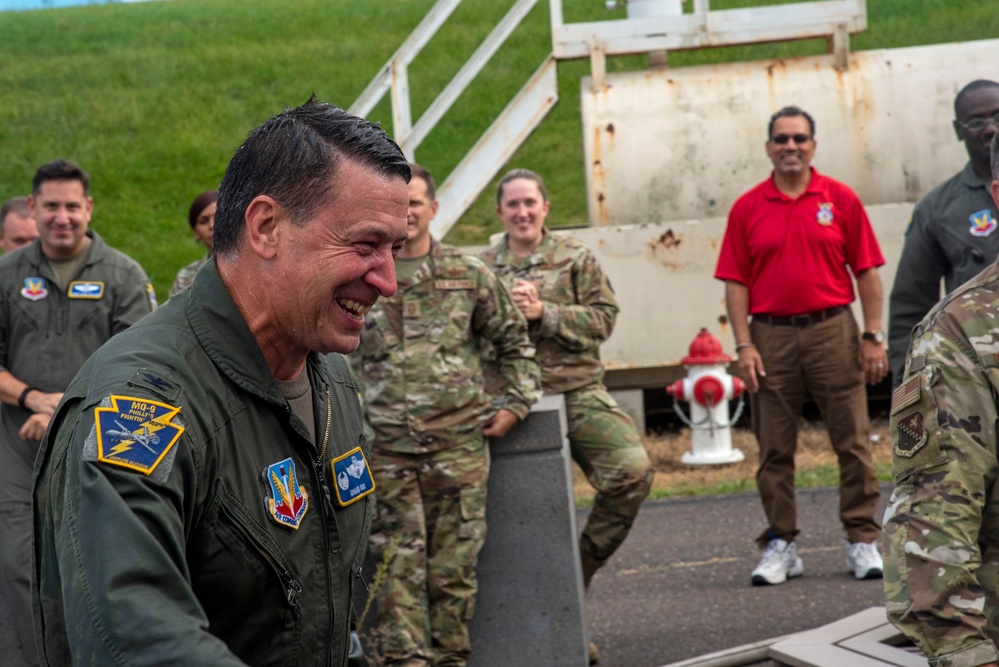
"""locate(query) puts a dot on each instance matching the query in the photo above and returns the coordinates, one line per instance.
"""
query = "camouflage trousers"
(604, 442)
(432, 509)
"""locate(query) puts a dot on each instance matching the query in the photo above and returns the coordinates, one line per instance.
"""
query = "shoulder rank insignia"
(86, 289)
(353, 477)
(825, 214)
(34, 289)
(982, 223)
(136, 433)
(289, 500)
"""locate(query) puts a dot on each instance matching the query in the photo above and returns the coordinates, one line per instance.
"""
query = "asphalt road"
(679, 586)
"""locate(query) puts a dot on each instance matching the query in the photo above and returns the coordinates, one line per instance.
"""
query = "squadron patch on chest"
(288, 501)
(86, 289)
(136, 433)
(353, 477)
(34, 289)
(982, 223)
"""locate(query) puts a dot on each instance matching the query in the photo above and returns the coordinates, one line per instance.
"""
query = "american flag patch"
(905, 395)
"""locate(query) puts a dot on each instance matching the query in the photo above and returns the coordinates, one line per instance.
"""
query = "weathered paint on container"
(683, 144)
(662, 274)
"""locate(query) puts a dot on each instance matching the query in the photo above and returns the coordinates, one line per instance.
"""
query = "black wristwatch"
(876, 336)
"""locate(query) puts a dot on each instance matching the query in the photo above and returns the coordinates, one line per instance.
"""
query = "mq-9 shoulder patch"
(135, 433)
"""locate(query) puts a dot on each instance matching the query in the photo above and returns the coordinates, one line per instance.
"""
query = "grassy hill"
(152, 99)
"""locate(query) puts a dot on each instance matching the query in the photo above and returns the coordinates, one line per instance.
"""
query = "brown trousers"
(823, 360)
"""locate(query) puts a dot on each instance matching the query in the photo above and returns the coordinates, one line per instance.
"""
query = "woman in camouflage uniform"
(201, 217)
(559, 286)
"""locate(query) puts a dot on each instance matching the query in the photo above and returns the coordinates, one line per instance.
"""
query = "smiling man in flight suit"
(61, 298)
(202, 496)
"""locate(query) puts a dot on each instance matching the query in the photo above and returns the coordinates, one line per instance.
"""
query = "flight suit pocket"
(260, 543)
(242, 567)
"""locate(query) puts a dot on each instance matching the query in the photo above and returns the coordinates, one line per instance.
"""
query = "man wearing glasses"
(789, 249)
(952, 235)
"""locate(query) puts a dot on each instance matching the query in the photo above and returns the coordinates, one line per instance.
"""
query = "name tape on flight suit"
(353, 477)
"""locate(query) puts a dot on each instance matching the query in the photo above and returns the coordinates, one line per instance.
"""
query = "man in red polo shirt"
(786, 259)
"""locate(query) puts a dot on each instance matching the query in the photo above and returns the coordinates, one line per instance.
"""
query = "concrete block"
(529, 611)
(632, 401)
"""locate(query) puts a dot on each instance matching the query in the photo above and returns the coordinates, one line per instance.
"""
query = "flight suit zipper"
(327, 502)
(291, 585)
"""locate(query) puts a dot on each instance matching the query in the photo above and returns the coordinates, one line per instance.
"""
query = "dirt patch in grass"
(815, 463)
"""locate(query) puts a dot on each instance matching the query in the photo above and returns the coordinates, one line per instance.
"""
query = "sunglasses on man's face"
(782, 139)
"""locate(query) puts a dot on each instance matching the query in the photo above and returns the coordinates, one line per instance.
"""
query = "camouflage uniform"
(941, 529)
(579, 313)
(186, 275)
(420, 372)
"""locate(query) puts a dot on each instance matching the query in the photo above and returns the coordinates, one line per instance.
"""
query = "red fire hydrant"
(708, 388)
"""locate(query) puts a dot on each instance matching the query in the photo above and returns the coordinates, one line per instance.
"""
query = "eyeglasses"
(782, 139)
(978, 124)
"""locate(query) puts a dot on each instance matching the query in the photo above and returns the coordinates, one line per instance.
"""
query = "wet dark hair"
(791, 112)
(526, 174)
(60, 170)
(200, 203)
(293, 158)
(420, 171)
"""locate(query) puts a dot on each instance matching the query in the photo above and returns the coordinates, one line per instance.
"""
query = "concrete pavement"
(679, 586)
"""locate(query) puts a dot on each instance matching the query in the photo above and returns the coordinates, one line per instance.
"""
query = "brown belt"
(805, 320)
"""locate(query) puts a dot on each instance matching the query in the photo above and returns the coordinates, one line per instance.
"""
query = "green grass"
(152, 99)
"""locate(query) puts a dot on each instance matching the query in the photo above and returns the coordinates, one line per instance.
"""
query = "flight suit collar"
(969, 178)
(227, 340)
(33, 253)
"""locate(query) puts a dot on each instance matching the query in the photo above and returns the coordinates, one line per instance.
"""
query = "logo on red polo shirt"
(982, 223)
(825, 214)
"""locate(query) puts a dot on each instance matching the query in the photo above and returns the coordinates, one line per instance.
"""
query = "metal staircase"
(658, 28)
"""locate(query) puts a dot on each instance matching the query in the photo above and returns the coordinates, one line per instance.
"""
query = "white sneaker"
(863, 559)
(780, 562)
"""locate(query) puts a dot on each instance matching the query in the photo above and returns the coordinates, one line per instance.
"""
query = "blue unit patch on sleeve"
(86, 289)
(288, 501)
(353, 477)
(136, 433)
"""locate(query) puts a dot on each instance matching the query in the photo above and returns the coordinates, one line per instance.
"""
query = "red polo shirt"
(793, 254)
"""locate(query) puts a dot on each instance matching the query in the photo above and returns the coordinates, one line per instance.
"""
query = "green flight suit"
(953, 236)
(184, 516)
(46, 334)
